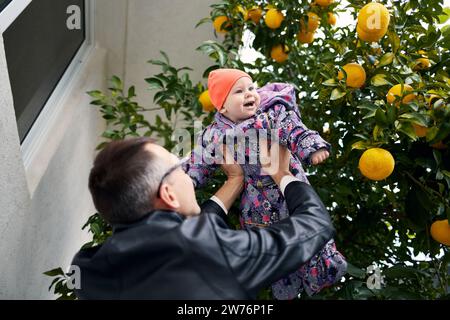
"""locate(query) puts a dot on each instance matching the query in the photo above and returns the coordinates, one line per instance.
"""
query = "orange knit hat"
(220, 82)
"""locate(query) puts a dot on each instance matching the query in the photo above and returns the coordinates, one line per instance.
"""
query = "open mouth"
(249, 104)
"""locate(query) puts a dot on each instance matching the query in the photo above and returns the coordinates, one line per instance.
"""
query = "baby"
(241, 107)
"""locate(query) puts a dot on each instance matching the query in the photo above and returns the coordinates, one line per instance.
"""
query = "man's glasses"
(182, 163)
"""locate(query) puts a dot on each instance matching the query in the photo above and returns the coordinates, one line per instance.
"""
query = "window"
(3, 4)
(39, 48)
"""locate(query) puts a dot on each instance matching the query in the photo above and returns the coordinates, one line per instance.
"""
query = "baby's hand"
(319, 156)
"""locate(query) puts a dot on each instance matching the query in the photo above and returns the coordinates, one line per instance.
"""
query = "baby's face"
(242, 101)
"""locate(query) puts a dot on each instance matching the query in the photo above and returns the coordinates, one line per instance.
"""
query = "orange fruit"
(324, 3)
(255, 14)
(369, 37)
(279, 53)
(242, 10)
(439, 146)
(273, 18)
(331, 18)
(397, 91)
(305, 37)
(440, 231)
(219, 21)
(356, 75)
(373, 18)
(376, 164)
(432, 99)
(205, 101)
(421, 64)
(313, 23)
(420, 131)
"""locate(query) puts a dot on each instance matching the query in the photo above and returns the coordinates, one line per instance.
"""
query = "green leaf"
(154, 83)
(330, 83)
(444, 17)
(418, 207)
(116, 82)
(54, 272)
(361, 145)
(399, 271)
(202, 21)
(337, 94)
(131, 92)
(431, 134)
(381, 119)
(165, 56)
(407, 129)
(97, 102)
(394, 40)
(386, 59)
(377, 131)
(96, 94)
(391, 114)
(442, 133)
(157, 62)
(355, 271)
(379, 80)
(416, 118)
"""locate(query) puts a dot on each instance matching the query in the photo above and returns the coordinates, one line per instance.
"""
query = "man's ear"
(168, 197)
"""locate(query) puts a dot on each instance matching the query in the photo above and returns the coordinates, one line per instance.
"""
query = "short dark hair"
(123, 180)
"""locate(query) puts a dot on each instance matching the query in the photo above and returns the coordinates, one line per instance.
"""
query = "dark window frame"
(4, 4)
(31, 95)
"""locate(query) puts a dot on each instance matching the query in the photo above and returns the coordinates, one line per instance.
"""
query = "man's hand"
(231, 169)
(275, 161)
(234, 184)
(319, 156)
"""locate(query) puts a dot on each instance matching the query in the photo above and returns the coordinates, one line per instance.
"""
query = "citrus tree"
(376, 86)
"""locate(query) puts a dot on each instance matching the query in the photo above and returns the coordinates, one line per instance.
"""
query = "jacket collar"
(223, 122)
(151, 217)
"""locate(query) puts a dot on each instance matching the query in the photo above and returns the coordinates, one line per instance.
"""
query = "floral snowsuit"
(262, 202)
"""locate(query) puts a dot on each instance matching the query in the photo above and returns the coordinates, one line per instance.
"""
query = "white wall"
(42, 229)
(165, 25)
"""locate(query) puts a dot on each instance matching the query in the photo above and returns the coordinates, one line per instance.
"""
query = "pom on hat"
(220, 82)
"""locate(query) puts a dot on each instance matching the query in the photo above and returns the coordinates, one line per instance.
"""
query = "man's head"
(233, 93)
(132, 177)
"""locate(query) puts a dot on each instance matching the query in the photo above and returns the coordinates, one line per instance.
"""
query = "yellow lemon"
(205, 101)
(305, 37)
(331, 18)
(397, 91)
(373, 18)
(376, 164)
(440, 231)
(279, 53)
(219, 21)
(356, 75)
(273, 18)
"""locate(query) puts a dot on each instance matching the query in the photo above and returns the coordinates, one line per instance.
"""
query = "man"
(164, 246)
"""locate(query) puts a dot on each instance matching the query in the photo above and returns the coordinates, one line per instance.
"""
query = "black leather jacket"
(166, 256)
